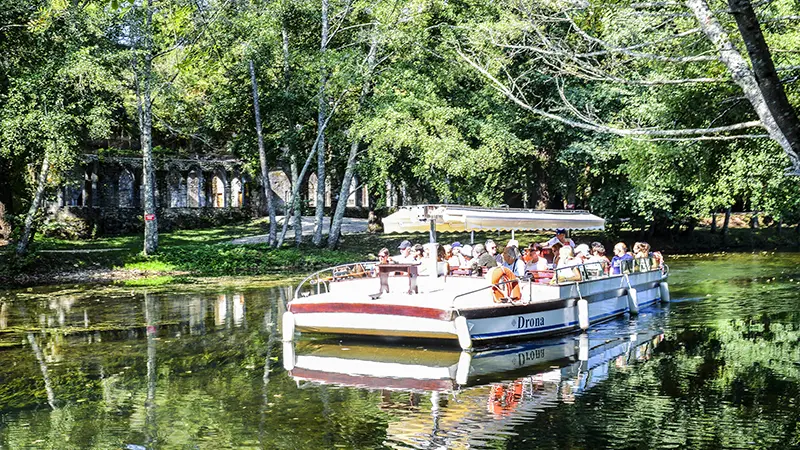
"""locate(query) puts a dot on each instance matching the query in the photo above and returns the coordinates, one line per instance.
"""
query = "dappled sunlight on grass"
(149, 266)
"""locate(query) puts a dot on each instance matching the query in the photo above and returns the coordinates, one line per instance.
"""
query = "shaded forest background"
(639, 112)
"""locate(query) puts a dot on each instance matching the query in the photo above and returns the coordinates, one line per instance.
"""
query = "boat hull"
(460, 313)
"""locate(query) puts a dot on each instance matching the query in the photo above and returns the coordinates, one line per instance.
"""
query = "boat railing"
(319, 281)
(600, 269)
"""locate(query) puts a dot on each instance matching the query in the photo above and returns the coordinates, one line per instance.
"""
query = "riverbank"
(185, 257)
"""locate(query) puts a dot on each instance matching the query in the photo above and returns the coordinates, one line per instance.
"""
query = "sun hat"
(582, 249)
(404, 245)
(455, 244)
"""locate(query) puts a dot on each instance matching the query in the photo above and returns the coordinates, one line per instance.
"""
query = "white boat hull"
(463, 309)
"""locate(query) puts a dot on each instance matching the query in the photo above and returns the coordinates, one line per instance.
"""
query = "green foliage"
(226, 260)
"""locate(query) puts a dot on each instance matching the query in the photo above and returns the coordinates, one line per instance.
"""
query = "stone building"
(105, 195)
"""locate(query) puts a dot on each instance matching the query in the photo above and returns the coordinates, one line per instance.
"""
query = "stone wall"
(104, 196)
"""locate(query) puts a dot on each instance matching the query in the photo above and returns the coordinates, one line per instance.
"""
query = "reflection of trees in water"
(3, 315)
(151, 320)
(48, 385)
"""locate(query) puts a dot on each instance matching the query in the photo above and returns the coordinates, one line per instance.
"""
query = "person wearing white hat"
(582, 252)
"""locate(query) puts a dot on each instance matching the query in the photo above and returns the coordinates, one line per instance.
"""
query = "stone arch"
(125, 188)
(194, 188)
(218, 189)
(237, 191)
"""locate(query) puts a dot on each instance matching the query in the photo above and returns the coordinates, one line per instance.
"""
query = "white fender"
(633, 305)
(462, 331)
(583, 314)
(664, 288)
(289, 358)
(288, 326)
(583, 347)
(462, 370)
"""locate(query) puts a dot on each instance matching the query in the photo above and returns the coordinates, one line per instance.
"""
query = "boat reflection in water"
(480, 396)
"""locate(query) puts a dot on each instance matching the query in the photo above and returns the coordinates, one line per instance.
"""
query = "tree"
(262, 155)
(57, 92)
(656, 49)
(143, 76)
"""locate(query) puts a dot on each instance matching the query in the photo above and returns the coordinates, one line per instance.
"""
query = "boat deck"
(443, 294)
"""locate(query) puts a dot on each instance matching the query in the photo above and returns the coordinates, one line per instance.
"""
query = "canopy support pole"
(433, 230)
(512, 234)
(472, 237)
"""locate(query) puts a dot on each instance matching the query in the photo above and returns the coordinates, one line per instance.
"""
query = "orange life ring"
(511, 283)
(503, 400)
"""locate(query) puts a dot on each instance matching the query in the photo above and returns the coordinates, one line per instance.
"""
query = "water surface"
(717, 368)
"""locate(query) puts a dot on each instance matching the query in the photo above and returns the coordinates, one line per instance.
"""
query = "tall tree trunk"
(742, 75)
(765, 74)
(713, 222)
(725, 224)
(262, 157)
(27, 232)
(344, 193)
(298, 208)
(321, 113)
(294, 200)
(144, 106)
(754, 221)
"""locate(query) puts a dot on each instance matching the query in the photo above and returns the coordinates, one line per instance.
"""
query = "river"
(718, 367)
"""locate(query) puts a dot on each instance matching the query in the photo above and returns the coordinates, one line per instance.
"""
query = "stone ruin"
(105, 195)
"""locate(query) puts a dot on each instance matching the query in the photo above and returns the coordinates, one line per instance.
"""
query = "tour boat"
(420, 301)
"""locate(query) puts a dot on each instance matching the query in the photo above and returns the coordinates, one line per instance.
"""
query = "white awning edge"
(457, 218)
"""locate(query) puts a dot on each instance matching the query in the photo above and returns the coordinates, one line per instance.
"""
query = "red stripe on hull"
(407, 384)
(371, 308)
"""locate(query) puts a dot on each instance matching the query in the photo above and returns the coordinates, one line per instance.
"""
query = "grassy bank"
(185, 255)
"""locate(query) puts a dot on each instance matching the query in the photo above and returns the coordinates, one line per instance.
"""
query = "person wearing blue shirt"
(620, 256)
(512, 261)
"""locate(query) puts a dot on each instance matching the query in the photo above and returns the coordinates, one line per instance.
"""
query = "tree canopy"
(653, 112)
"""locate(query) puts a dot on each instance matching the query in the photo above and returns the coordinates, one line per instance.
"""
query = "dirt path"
(349, 226)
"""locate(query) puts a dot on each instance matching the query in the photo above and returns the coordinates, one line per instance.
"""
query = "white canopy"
(456, 218)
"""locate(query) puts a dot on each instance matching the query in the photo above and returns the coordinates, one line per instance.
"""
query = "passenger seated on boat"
(406, 255)
(582, 253)
(534, 260)
(622, 259)
(456, 259)
(419, 252)
(512, 260)
(568, 266)
(383, 256)
(556, 255)
(441, 261)
(599, 256)
(485, 254)
(491, 247)
(467, 253)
